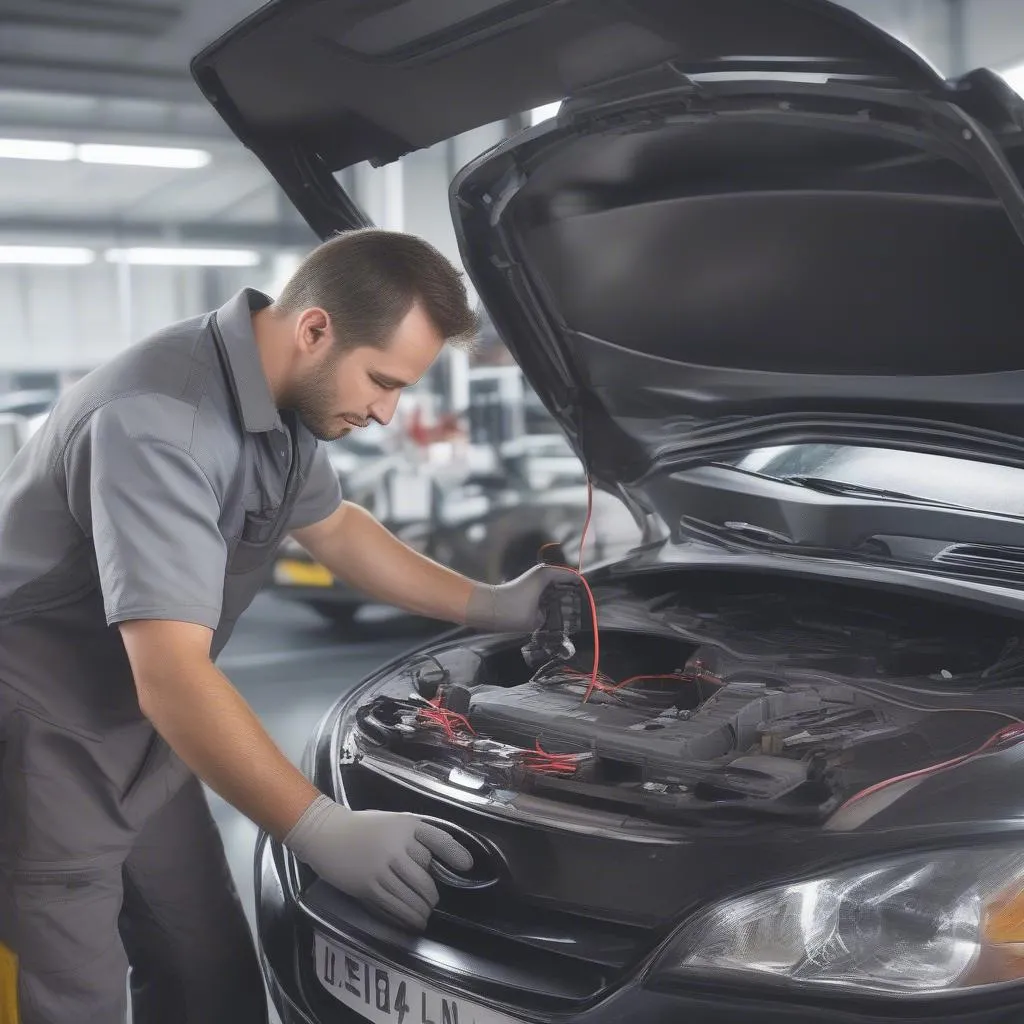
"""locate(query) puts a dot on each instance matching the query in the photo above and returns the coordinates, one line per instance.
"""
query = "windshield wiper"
(826, 486)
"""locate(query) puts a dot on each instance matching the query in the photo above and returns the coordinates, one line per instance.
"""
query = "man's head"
(366, 313)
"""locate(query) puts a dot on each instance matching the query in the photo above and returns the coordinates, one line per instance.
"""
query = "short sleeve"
(154, 518)
(320, 495)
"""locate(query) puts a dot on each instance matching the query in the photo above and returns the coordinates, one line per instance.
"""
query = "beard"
(312, 400)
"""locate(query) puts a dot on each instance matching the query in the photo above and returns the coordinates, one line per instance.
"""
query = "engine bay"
(742, 701)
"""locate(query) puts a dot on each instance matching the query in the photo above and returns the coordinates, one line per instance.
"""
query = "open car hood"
(752, 222)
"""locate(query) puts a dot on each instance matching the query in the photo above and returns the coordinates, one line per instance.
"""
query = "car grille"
(564, 956)
(482, 963)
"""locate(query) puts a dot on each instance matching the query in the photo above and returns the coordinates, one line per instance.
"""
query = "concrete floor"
(291, 664)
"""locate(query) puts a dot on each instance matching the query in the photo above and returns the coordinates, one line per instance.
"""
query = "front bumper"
(285, 932)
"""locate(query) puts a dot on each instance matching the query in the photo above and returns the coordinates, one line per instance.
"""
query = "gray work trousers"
(109, 857)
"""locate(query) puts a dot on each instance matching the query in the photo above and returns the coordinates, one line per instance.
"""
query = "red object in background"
(447, 428)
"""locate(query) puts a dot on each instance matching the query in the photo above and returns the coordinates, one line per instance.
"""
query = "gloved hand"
(379, 857)
(514, 607)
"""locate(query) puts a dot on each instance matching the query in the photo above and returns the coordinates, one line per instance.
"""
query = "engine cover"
(727, 723)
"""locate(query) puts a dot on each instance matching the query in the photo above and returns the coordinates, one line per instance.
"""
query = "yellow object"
(1004, 918)
(302, 574)
(8, 986)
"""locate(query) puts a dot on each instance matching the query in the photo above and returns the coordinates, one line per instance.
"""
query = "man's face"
(336, 390)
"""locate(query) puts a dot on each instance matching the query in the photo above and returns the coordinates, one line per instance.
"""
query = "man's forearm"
(214, 731)
(366, 556)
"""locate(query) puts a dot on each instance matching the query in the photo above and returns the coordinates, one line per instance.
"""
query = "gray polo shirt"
(158, 488)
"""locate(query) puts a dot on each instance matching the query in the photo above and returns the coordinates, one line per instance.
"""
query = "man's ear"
(313, 329)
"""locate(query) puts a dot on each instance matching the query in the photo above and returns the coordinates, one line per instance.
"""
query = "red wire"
(595, 681)
(444, 718)
(602, 678)
(636, 679)
(539, 760)
(586, 522)
(433, 716)
(607, 685)
(538, 749)
(590, 596)
(592, 685)
(460, 719)
(1005, 733)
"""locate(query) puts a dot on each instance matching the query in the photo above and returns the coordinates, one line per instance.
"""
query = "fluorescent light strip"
(52, 255)
(101, 153)
(36, 149)
(68, 256)
(157, 257)
(142, 156)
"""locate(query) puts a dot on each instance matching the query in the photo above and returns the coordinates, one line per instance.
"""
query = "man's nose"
(383, 410)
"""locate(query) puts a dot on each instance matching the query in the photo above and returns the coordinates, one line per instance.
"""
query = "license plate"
(386, 996)
(302, 574)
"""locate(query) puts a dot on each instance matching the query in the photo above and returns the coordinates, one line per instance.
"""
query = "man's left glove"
(515, 607)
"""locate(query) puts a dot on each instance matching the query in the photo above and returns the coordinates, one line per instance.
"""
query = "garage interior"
(126, 204)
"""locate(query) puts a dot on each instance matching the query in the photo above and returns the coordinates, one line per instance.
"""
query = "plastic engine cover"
(725, 724)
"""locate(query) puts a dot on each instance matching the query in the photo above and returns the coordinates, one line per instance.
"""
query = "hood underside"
(684, 268)
(710, 272)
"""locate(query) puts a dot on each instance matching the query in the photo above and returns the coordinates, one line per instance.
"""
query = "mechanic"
(135, 527)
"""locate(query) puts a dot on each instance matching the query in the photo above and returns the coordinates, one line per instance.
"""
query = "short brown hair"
(367, 280)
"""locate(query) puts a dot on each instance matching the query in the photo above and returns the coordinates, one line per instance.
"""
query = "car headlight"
(916, 925)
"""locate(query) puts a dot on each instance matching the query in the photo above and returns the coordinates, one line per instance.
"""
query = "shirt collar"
(248, 382)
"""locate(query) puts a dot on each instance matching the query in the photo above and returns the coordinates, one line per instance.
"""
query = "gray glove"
(379, 857)
(514, 607)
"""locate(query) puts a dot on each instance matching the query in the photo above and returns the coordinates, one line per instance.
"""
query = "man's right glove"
(516, 606)
(382, 858)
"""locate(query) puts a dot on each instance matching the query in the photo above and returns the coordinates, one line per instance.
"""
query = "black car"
(782, 780)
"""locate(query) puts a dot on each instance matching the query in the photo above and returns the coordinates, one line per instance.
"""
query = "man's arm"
(380, 857)
(210, 727)
(361, 552)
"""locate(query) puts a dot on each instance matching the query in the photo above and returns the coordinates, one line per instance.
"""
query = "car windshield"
(933, 478)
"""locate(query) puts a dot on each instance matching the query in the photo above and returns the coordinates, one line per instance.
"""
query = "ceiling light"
(1015, 78)
(174, 157)
(36, 149)
(162, 257)
(142, 156)
(55, 255)
(539, 114)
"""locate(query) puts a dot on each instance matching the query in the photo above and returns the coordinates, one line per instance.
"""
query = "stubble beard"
(312, 399)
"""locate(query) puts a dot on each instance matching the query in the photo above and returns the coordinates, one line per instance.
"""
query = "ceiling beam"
(116, 48)
(30, 73)
(115, 17)
(101, 232)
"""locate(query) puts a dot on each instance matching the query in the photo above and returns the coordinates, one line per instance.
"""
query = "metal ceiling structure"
(137, 48)
(116, 71)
